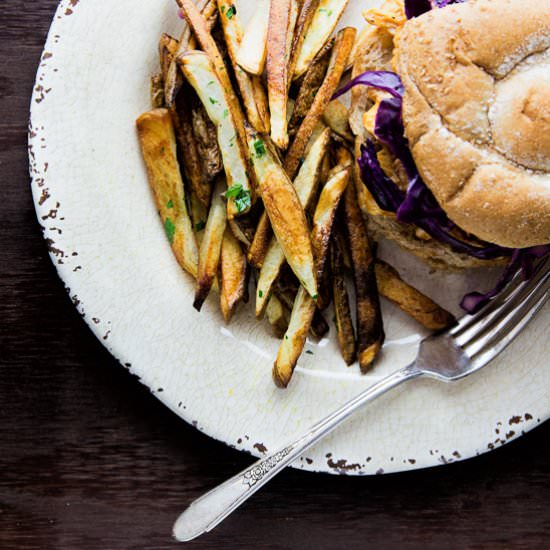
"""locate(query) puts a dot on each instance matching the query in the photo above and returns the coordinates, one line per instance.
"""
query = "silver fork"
(464, 349)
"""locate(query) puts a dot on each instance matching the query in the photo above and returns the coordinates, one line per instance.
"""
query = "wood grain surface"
(89, 459)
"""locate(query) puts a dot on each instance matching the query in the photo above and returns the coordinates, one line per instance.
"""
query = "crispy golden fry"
(200, 73)
(260, 243)
(158, 146)
(182, 117)
(157, 91)
(277, 317)
(324, 21)
(325, 291)
(306, 183)
(211, 245)
(262, 103)
(234, 279)
(304, 306)
(208, 44)
(279, 38)
(173, 78)
(370, 331)
(285, 212)
(342, 311)
(305, 17)
(336, 117)
(339, 56)
(233, 37)
(411, 300)
(309, 88)
(253, 49)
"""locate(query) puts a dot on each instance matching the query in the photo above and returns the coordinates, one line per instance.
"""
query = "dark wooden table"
(89, 459)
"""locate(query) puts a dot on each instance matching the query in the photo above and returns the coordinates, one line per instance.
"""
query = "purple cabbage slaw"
(418, 205)
(415, 8)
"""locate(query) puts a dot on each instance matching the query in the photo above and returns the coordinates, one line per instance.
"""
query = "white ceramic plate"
(104, 235)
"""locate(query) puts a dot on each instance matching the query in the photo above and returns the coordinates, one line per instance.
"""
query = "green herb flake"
(223, 9)
(170, 204)
(213, 101)
(200, 225)
(225, 113)
(240, 196)
(211, 83)
(231, 11)
(327, 12)
(259, 147)
(261, 293)
(170, 229)
(309, 352)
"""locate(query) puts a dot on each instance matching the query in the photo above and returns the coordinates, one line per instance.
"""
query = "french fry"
(253, 49)
(173, 79)
(157, 91)
(285, 212)
(370, 331)
(202, 33)
(319, 326)
(260, 242)
(336, 117)
(205, 134)
(339, 56)
(304, 306)
(410, 300)
(342, 311)
(233, 271)
(276, 315)
(307, 12)
(324, 21)
(182, 117)
(306, 183)
(211, 245)
(309, 88)
(158, 146)
(282, 18)
(168, 47)
(233, 37)
(201, 74)
(243, 229)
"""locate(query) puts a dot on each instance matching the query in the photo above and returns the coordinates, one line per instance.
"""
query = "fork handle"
(212, 508)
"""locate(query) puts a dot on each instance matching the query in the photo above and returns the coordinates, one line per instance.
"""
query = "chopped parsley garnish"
(259, 147)
(261, 293)
(240, 196)
(213, 101)
(232, 141)
(170, 204)
(200, 225)
(225, 113)
(309, 352)
(211, 83)
(324, 10)
(231, 11)
(170, 229)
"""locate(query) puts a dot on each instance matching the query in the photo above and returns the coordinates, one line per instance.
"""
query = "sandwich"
(451, 116)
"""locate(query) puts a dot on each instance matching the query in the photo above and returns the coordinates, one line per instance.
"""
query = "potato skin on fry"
(158, 146)
(342, 311)
(370, 331)
(233, 271)
(411, 300)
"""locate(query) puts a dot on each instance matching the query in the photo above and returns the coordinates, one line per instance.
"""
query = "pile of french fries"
(252, 168)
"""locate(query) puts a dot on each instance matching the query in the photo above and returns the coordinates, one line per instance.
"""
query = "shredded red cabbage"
(415, 8)
(418, 205)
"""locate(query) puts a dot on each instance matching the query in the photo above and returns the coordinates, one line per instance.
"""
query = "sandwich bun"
(476, 112)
